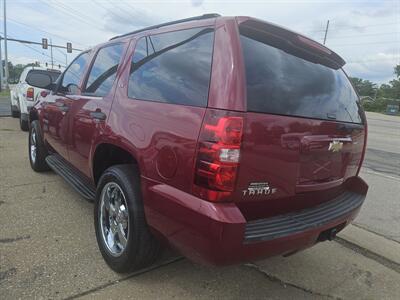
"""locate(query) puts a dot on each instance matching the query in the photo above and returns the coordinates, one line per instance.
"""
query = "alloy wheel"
(33, 145)
(114, 218)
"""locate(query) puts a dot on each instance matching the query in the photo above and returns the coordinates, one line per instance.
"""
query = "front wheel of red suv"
(37, 149)
(122, 233)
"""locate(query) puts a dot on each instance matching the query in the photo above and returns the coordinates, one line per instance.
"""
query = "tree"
(397, 71)
(364, 87)
(392, 90)
(14, 71)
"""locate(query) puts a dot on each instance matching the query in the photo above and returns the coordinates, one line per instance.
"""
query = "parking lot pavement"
(48, 250)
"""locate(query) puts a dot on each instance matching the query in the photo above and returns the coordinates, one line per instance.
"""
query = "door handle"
(98, 115)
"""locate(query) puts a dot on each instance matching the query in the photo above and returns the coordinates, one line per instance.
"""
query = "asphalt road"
(48, 248)
(383, 151)
(381, 170)
(5, 109)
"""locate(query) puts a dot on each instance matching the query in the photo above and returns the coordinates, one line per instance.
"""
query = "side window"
(173, 67)
(104, 70)
(73, 75)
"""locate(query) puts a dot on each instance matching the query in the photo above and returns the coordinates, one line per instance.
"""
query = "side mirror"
(40, 80)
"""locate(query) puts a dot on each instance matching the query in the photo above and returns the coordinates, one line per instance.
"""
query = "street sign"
(69, 47)
(44, 43)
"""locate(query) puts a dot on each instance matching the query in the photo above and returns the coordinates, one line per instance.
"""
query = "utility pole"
(5, 46)
(326, 31)
(51, 53)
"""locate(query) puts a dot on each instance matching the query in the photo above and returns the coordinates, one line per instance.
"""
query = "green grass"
(5, 93)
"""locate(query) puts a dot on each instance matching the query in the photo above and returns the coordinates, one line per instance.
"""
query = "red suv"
(229, 138)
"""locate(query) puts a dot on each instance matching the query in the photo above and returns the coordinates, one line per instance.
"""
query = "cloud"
(359, 31)
(121, 22)
(378, 68)
(383, 12)
(197, 2)
(23, 60)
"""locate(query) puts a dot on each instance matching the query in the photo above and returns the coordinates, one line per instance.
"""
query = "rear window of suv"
(53, 74)
(281, 83)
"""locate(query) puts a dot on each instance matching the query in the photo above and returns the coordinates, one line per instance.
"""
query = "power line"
(110, 11)
(80, 14)
(38, 51)
(25, 43)
(129, 5)
(363, 35)
(360, 44)
(37, 43)
(350, 27)
(372, 60)
(65, 11)
(369, 25)
(124, 11)
(49, 33)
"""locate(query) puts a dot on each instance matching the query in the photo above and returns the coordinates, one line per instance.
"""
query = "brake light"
(314, 44)
(30, 93)
(218, 155)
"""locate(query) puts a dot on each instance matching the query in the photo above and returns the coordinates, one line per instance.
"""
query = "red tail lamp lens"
(30, 93)
(228, 130)
(218, 155)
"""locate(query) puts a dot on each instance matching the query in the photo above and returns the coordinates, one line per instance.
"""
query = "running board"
(81, 184)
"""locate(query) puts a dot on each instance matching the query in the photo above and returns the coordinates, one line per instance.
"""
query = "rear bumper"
(218, 234)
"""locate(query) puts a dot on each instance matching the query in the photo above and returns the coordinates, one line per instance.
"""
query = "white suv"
(23, 95)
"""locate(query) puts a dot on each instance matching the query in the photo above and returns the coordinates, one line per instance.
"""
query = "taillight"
(218, 155)
(313, 44)
(30, 93)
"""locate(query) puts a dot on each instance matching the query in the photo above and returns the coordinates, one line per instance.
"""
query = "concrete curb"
(372, 242)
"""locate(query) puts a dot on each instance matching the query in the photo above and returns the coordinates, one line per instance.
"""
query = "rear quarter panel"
(161, 136)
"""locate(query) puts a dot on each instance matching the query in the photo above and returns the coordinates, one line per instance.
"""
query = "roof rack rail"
(202, 17)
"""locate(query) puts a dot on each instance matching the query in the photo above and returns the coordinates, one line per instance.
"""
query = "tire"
(14, 113)
(141, 249)
(37, 150)
(23, 123)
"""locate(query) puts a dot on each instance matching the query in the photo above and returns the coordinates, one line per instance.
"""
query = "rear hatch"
(304, 127)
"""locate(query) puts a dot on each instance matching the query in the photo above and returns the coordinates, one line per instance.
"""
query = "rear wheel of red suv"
(121, 229)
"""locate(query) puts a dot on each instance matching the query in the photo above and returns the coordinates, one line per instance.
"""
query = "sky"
(365, 33)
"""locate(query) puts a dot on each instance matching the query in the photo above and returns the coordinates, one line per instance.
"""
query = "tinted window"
(281, 83)
(104, 70)
(53, 74)
(173, 67)
(74, 73)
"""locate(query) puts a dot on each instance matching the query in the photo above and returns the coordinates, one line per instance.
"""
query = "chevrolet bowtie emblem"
(335, 146)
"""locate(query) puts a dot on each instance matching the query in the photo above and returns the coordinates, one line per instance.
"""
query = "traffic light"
(69, 47)
(45, 43)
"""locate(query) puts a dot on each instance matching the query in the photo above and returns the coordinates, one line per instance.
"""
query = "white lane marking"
(369, 171)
